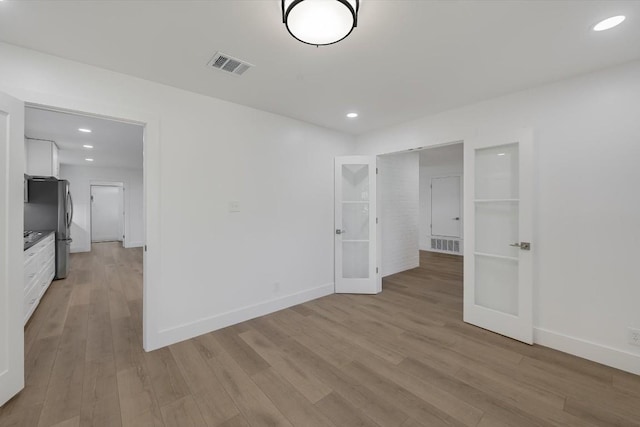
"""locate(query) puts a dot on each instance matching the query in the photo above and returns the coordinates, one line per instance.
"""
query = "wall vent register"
(446, 245)
(223, 62)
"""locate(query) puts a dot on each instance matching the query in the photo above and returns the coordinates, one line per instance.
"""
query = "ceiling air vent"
(224, 62)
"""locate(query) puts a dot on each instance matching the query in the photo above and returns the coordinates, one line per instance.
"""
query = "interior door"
(445, 206)
(11, 247)
(355, 225)
(106, 213)
(498, 187)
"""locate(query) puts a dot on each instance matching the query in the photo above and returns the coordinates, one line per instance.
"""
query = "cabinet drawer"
(31, 269)
(49, 251)
(45, 277)
(32, 253)
(31, 300)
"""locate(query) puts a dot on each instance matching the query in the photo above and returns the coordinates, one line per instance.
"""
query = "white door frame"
(124, 208)
(466, 139)
(152, 263)
(379, 197)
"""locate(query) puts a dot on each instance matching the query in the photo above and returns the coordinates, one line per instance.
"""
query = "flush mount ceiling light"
(320, 22)
(87, 146)
(609, 23)
(89, 160)
(352, 115)
(84, 130)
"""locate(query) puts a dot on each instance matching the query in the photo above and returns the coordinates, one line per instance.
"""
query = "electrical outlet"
(634, 336)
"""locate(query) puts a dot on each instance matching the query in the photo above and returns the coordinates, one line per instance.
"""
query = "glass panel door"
(496, 215)
(355, 222)
(498, 271)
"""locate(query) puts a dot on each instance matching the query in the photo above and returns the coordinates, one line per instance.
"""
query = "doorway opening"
(496, 278)
(421, 213)
(100, 159)
(108, 214)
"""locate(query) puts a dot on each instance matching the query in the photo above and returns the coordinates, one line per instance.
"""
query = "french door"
(498, 191)
(11, 244)
(356, 268)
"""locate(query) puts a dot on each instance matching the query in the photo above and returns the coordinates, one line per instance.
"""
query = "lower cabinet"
(39, 271)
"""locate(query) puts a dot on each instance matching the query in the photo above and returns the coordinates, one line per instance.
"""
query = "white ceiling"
(116, 144)
(406, 58)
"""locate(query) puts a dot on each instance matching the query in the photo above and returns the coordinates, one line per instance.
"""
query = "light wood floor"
(402, 358)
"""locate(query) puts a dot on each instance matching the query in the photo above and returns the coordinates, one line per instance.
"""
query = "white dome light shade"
(320, 22)
(609, 23)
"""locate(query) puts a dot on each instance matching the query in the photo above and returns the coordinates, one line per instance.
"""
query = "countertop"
(35, 238)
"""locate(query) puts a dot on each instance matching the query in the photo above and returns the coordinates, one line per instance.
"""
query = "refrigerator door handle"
(70, 216)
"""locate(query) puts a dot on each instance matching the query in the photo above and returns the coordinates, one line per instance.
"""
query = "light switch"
(234, 206)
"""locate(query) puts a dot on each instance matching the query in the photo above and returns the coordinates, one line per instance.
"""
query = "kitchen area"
(48, 214)
(68, 154)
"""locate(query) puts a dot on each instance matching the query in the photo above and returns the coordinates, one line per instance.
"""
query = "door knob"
(341, 231)
(525, 246)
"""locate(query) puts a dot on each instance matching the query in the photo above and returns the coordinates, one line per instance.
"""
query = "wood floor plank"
(215, 403)
(64, 392)
(183, 412)
(100, 395)
(243, 354)
(298, 410)
(308, 385)
(165, 376)
(342, 413)
(380, 410)
(252, 403)
(402, 358)
(138, 406)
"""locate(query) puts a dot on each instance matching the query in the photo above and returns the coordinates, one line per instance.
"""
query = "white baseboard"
(133, 244)
(615, 358)
(193, 329)
(401, 268)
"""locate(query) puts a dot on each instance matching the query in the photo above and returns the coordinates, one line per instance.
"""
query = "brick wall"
(398, 184)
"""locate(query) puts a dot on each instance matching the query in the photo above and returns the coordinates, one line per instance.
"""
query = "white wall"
(398, 192)
(209, 268)
(433, 164)
(80, 179)
(587, 209)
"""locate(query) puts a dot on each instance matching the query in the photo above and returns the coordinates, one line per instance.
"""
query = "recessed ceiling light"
(87, 146)
(89, 160)
(609, 23)
(352, 115)
(85, 130)
(501, 154)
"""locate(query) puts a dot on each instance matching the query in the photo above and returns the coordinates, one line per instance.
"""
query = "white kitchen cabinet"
(39, 271)
(42, 158)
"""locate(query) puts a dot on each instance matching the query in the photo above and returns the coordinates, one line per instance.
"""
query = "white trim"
(152, 260)
(609, 356)
(134, 244)
(193, 329)
(79, 249)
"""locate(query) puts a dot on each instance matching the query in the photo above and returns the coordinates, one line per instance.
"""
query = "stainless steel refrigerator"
(50, 207)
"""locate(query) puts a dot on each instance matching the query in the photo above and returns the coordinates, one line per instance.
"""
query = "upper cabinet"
(42, 158)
